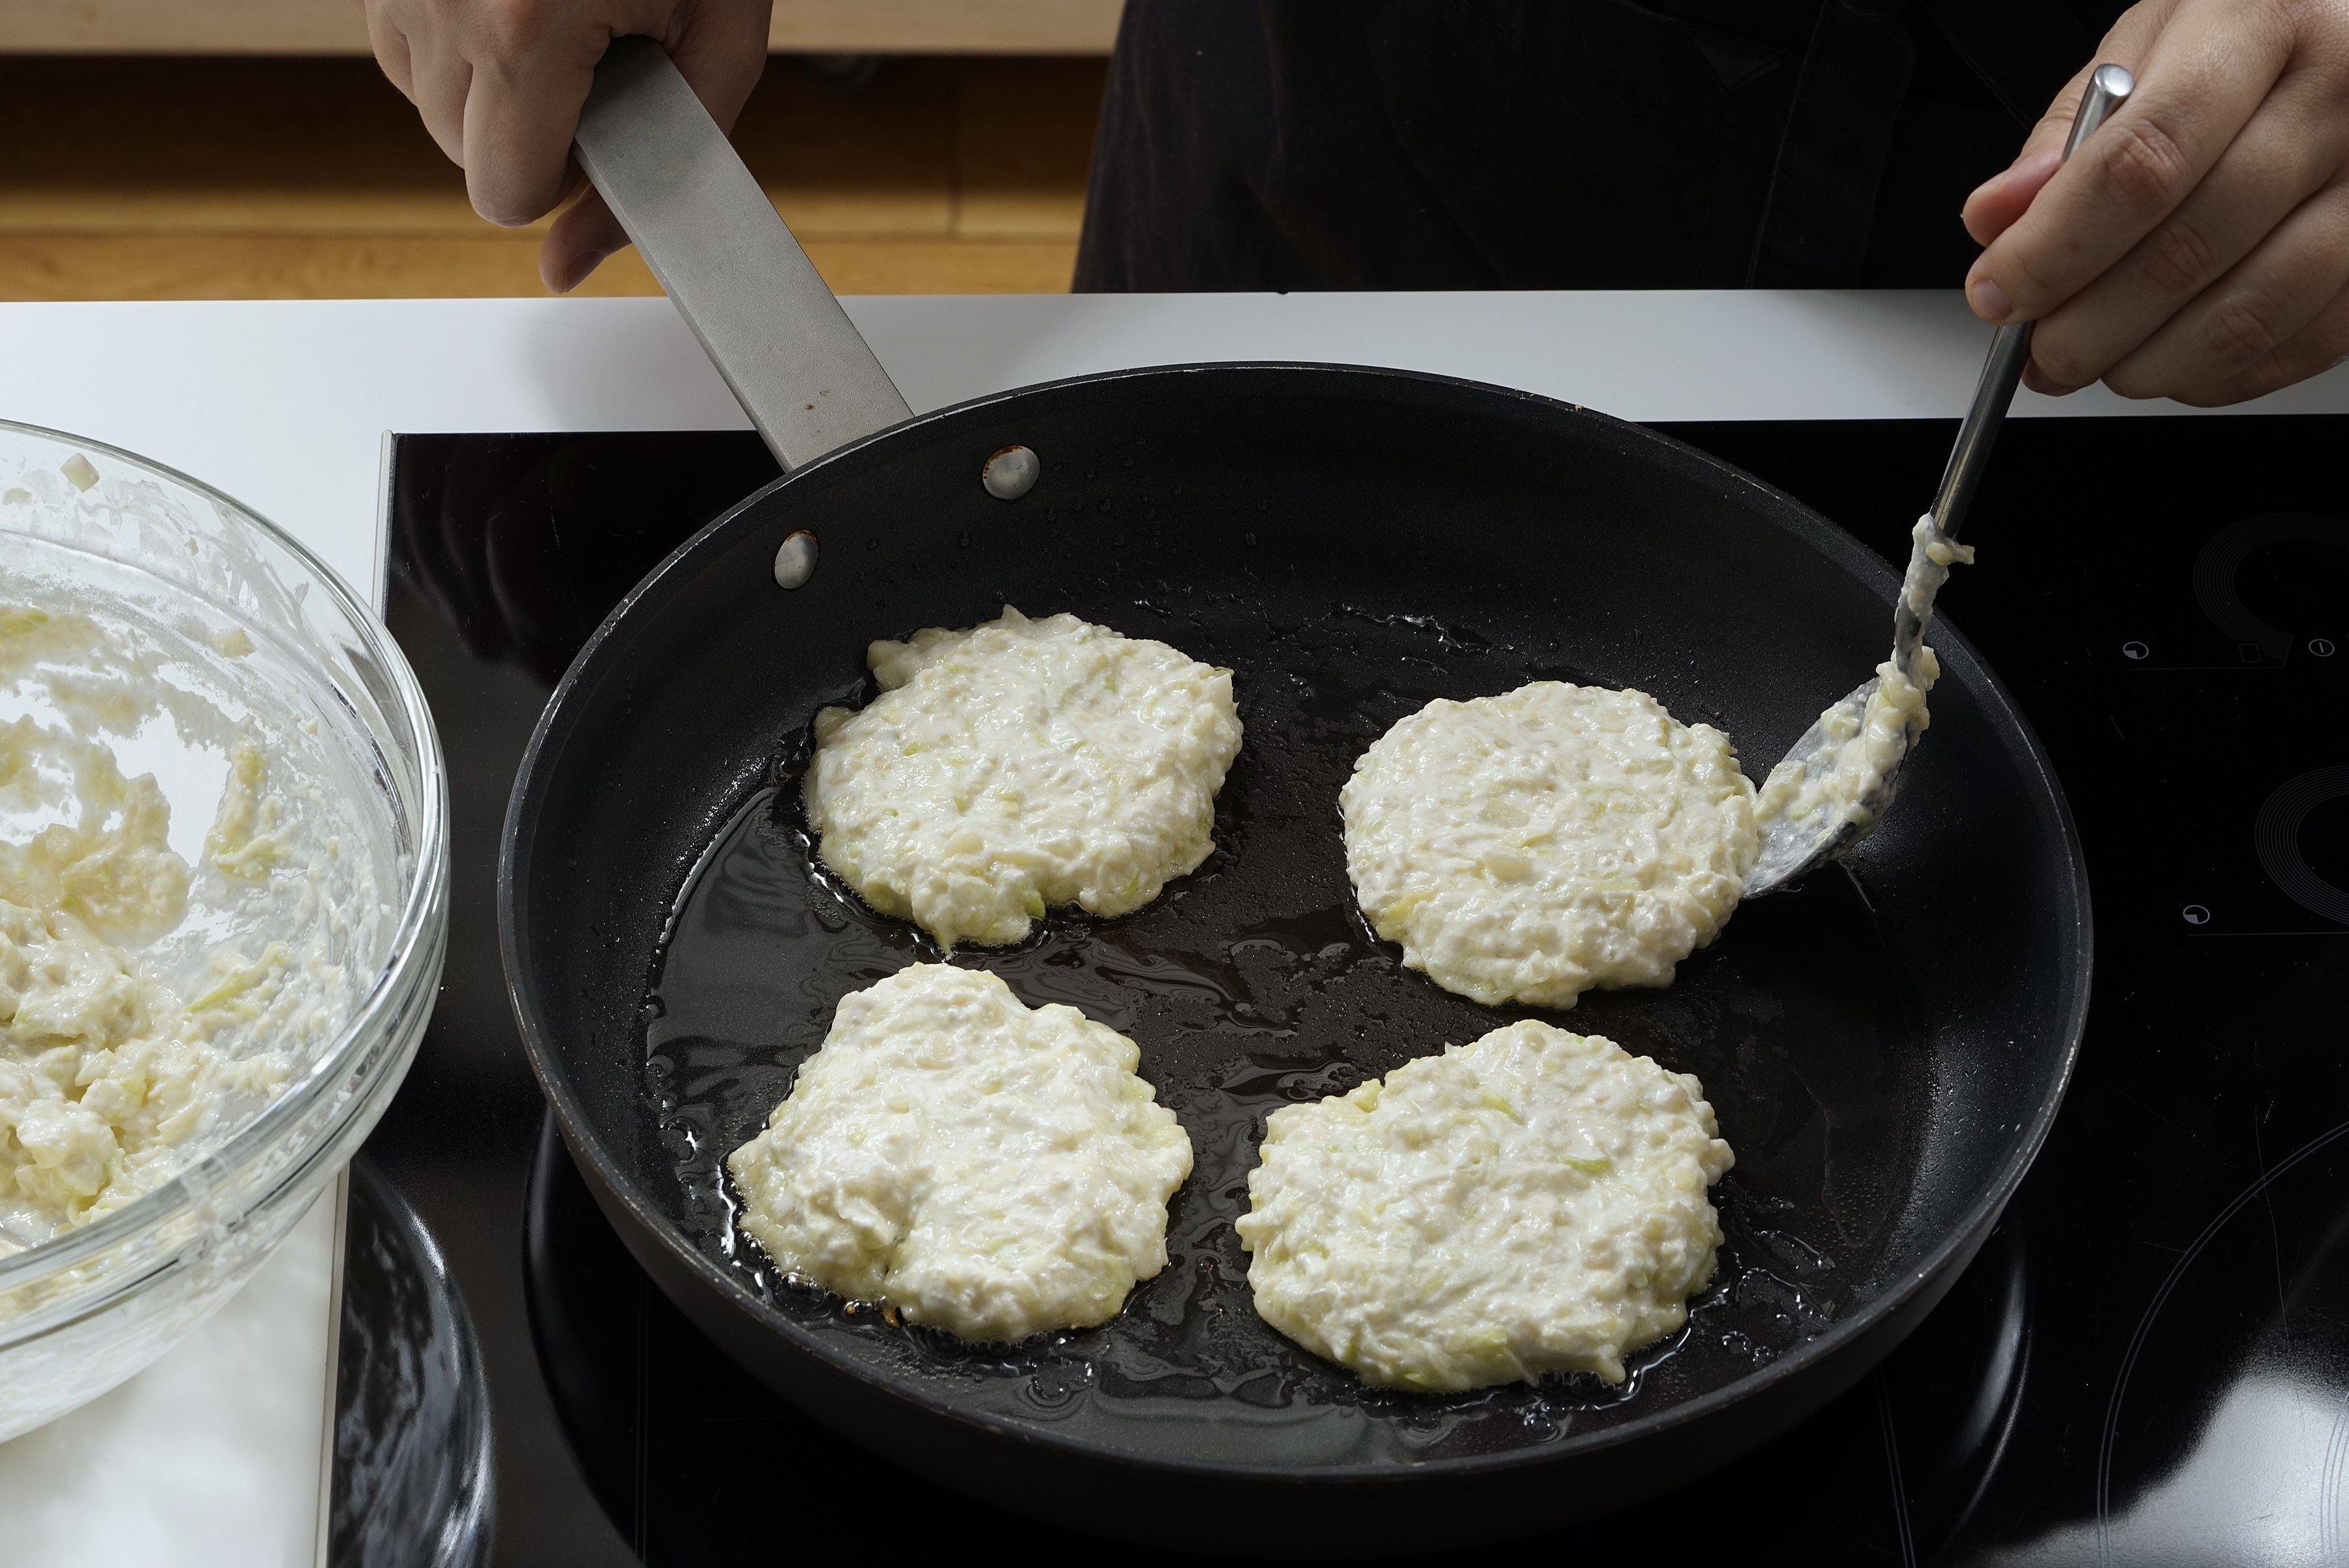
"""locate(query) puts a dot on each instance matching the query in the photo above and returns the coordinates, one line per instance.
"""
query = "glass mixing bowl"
(83, 1311)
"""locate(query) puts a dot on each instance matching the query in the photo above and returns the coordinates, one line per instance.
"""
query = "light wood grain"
(302, 178)
(184, 266)
(1025, 134)
(945, 27)
(332, 28)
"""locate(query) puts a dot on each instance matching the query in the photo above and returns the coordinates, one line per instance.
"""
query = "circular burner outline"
(2153, 1310)
(2222, 558)
(2275, 836)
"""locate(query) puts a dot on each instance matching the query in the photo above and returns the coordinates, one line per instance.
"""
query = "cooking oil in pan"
(1254, 984)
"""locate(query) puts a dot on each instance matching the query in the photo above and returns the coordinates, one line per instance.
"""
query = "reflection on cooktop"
(412, 1484)
(2145, 1363)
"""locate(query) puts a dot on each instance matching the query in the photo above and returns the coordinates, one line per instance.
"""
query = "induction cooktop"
(2149, 1361)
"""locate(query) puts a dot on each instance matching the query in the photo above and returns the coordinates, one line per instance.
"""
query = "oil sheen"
(1254, 984)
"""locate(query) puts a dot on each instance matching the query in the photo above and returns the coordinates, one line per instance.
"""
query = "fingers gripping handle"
(795, 362)
(2108, 89)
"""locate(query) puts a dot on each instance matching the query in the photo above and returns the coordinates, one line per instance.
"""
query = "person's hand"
(500, 84)
(2197, 246)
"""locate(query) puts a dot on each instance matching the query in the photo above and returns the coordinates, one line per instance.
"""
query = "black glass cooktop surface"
(2149, 1362)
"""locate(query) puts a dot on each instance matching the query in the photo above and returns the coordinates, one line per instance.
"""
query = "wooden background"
(333, 26)
(138, 160)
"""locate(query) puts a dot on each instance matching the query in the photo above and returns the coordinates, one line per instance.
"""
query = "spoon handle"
(2010, 350)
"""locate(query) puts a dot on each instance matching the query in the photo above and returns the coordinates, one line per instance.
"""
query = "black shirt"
(1334, 144)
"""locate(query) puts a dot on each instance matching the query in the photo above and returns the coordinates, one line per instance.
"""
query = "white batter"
(1866, 740)
(1020, 765)
(1532, 1203)
(1527, 846)
(986, 1168)
(110, 1068)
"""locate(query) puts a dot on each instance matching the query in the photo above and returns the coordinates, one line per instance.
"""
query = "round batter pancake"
(1532, 1203)
(1020, 765)
(993, 1169)
(1528, 846)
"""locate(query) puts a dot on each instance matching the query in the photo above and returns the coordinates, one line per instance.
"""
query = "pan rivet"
(1012, 473)
(795, 560)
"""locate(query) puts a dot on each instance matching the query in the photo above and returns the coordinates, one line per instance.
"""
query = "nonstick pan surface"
(1885, 1048)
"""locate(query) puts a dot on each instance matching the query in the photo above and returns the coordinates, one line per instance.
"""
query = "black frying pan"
(1886, 1047)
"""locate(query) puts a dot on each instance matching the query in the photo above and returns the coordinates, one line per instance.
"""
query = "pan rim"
(1783, 512)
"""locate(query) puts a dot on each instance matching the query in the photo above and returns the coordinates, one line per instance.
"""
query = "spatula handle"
(795, 362)
(2010, 350)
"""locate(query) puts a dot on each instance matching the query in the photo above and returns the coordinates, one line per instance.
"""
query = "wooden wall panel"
(241, 178)
(332, 28)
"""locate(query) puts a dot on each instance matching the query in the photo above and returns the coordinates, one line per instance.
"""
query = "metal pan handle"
(795, 362)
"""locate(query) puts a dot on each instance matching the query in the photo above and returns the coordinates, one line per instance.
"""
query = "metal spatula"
(1793, 841)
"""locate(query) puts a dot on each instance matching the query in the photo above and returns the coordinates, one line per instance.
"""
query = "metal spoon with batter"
(1833, 788)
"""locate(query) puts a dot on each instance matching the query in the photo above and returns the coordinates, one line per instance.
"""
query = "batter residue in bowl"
(108, 1070)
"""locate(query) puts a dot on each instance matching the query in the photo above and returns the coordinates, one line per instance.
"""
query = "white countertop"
(283, 404)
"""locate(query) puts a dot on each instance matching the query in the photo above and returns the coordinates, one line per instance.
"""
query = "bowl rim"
(424, 895)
